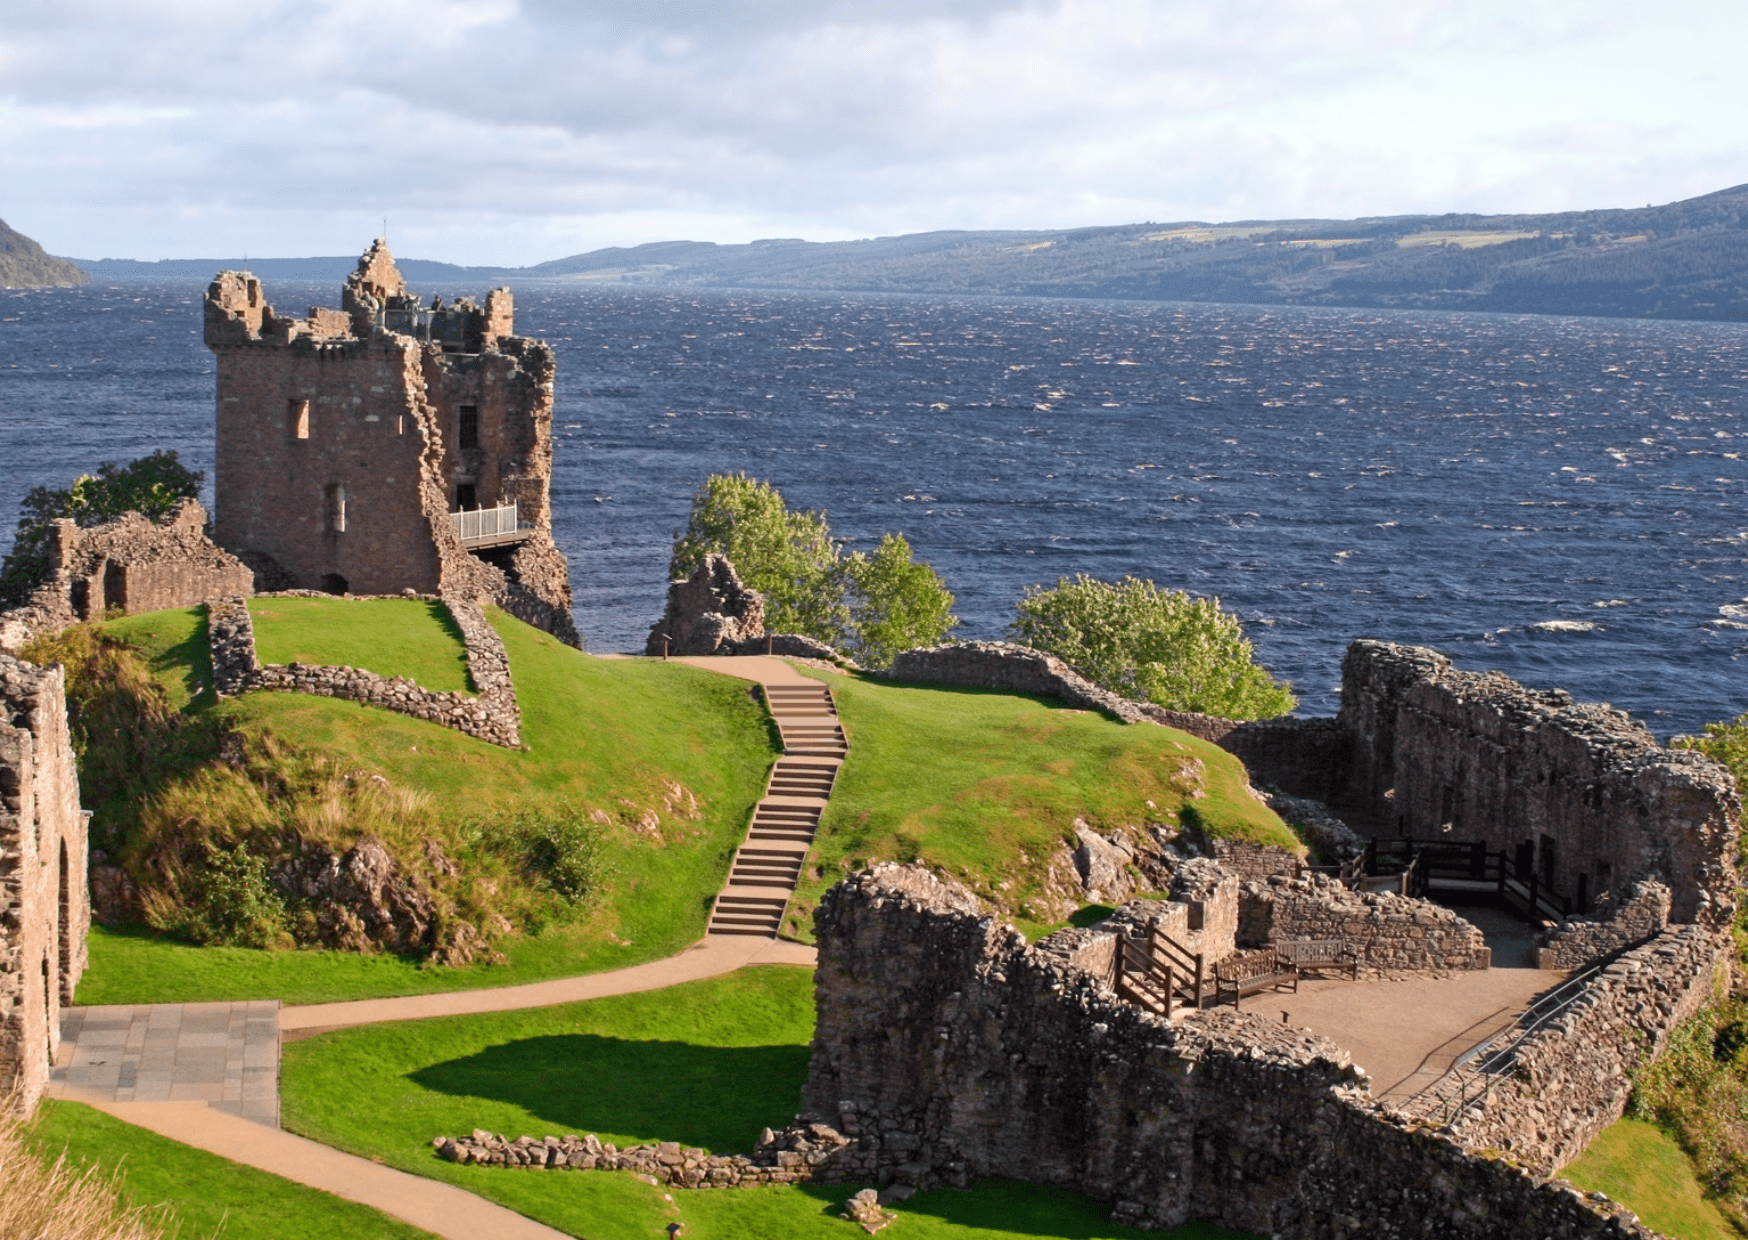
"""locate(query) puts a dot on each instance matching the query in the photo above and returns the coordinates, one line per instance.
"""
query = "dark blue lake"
(1558, 498)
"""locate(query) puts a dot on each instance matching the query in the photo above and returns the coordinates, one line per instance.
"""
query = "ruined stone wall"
(1596, 803)
(1569, 1079)
(949, 1049)
(1391, 933)
(1641, 915)
(709, 611)
(43, 845)
(492, 715)
(1011, 669)
(131, 564)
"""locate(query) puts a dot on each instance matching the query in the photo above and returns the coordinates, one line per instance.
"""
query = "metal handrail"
(1561, 998)
(485, 522)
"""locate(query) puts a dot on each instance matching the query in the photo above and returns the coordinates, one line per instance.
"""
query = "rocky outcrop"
(362, 899)
(708, 611)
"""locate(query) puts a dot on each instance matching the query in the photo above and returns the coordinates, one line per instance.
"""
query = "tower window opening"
(468, 431)
(299, 411)
(466, 496)
(337, 508)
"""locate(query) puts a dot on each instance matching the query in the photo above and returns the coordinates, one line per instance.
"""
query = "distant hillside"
(322, 270)
(25, 264)
(1684, 260)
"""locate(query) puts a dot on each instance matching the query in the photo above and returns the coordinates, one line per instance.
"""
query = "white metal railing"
(485, 523)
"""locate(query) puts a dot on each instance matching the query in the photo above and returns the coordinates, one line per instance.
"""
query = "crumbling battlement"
(349, 441)
(951, 1049)
(44, 908)
(1577, 793)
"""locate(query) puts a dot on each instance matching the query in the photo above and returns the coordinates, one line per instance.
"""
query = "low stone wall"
(1582, 940)
(1013, 669)
(950, 1049)
(791, 1156)
(492, 716)
(1391, 933)
(1569, 1079)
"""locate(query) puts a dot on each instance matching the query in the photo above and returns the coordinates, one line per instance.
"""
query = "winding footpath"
(207, 1074)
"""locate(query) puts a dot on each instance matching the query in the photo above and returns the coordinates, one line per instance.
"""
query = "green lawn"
(210, 1196)
(1641, 1167)
(987, 785)
(391, 637)
(707, 1063)
(625, 737)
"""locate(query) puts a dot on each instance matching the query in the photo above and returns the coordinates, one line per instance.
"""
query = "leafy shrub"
(1155, 645)
(896, 603)
(872, 605)
(224, 901)
(563, 850)
(1697, 1091)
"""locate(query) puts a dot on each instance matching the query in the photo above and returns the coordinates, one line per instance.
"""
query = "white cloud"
(496, 132)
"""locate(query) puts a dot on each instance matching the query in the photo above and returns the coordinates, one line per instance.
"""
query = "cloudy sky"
(513, 131)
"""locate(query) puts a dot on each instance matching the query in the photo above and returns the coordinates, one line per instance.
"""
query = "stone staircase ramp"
(769, 863)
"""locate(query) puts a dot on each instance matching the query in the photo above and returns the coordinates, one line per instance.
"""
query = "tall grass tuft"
(55, 1200)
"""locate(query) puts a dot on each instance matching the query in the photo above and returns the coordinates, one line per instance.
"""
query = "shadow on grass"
(446, 622)
(717, 1097)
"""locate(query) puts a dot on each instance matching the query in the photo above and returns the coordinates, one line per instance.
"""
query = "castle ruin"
(387, 446)
(46, 908)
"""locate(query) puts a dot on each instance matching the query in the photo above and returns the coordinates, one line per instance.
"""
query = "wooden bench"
(1250, 973)
(1322, 955)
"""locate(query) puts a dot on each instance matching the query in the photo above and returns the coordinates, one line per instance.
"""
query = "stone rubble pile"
(493, 716)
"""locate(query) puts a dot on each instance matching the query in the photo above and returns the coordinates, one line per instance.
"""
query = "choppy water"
(1558, 498)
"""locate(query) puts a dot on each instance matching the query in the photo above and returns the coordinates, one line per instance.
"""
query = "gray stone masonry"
(1641, 916)
(947, 1048)
(1391, 933)
(493, 715)
(1576, 792)
(1569, 1079)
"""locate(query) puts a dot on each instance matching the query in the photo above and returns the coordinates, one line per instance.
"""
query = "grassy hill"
(671, 758)
(986, 786)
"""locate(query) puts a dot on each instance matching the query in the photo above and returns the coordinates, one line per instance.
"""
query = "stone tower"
(387, 445)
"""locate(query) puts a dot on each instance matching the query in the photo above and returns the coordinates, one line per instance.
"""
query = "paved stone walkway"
(223, 1054)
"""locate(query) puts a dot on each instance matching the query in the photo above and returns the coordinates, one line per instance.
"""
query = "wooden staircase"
(768, 865)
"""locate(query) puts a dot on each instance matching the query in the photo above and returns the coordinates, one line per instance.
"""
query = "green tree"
(787, 556)
(152, 485)
(1155, 645)
(873, 605)
(896, 604)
